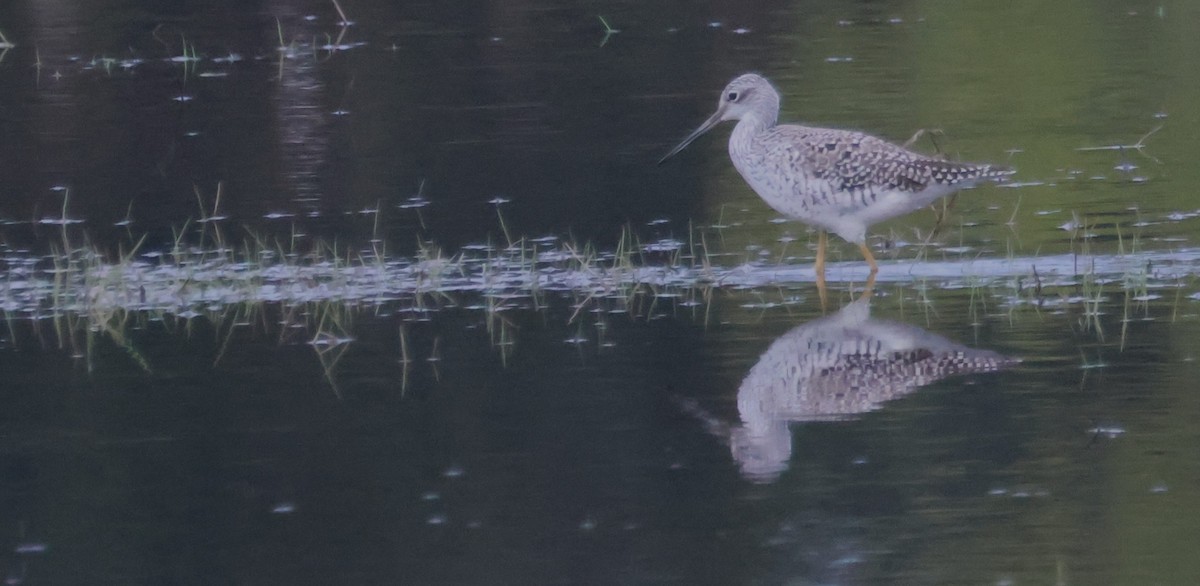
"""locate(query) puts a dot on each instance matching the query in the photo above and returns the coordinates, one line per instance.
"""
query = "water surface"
(526, 354)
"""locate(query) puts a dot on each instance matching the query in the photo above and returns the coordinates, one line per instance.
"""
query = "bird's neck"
(748, 129)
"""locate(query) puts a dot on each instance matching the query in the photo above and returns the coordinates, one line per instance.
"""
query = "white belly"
(846, 213)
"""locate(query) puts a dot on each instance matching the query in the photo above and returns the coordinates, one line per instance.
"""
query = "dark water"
(577, 463)
(617, 443)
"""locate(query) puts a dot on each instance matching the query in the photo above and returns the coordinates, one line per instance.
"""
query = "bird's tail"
(996, 172)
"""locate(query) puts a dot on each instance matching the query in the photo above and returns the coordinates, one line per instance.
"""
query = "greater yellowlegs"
(840, 181)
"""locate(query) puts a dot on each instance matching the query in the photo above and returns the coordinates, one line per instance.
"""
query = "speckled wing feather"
(918, 172)
(854, 161)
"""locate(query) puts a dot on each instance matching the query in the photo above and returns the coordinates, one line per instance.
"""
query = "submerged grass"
(301, 291)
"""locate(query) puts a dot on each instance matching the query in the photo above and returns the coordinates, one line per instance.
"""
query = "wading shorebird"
(839, 181)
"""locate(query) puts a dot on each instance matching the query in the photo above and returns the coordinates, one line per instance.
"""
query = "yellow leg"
(821, 294)
(819, 266)
(866, 252)
(870, 288)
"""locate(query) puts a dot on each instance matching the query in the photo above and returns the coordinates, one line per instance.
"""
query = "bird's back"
(815, 174)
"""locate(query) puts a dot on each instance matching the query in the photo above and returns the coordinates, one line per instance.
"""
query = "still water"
(1015, 404)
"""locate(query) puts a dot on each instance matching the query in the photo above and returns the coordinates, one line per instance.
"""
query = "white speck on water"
(714, 24)
(839, 59)
(664, 245)
(183, 98)
(284, 508)
(741, 31)
(328, 340)
(1107, 431)
(498, 200)
(1019, 184)
(1046, 212)
(31, 548)
(454, 471)
(59, 221)
(437, 519)
(587, 524)
(1160, 488)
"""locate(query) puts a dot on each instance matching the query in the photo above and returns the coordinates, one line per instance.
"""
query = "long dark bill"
(712, 121)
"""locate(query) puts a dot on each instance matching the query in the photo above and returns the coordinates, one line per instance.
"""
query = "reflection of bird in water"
(834, 368)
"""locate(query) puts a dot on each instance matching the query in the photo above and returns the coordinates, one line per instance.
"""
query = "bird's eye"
(732, 97)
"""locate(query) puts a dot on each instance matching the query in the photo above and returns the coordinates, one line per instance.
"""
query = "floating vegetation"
(609, 31)
(213, 273)
(310, 292)
(5, 44)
